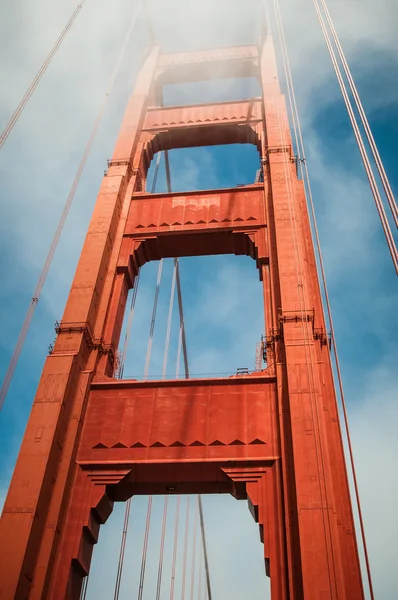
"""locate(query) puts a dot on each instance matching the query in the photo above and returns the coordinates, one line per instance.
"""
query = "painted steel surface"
(272, 437)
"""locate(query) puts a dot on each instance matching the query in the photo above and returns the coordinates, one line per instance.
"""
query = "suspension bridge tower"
(271, 437)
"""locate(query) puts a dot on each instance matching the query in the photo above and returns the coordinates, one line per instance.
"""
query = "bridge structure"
(271, 437)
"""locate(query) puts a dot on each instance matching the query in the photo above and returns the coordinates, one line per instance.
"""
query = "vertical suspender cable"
(184, 564)
(169, 318)
(178, 360)
(178, 281)
(43, 275)
(83, 592)
(200, 567)
(182, 323)
(160, 567)
(195, 526)
(173, 567)
(379, 163)
(183, 345)
(129, 325)
(153, 320)
(18, 111)
(201, 572)
(301, 150)
(202, 529)
(159, 277)
(145, 549)
(122, 549)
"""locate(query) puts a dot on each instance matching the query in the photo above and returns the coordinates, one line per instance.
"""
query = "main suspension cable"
(306, 179)
(298, 262)
(373, 146)
(54, 244)
(25, 99)
(372, 182)
(353, 469)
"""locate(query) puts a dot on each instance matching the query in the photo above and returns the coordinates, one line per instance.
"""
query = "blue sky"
(222, 295)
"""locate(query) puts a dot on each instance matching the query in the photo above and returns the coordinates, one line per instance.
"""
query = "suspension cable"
(373, 146)
(183, 345)
(372, 182)
(158, 280)
(320, 460)
(202, 529)
(161, 554)
(306, 179)
(43, 275)
(36, 80)
(179, 294)
(353, 469)
(175, 547)
(122, 550)
(145, 549)
(178, 359)
(153, 319)
(129, 325)
(195, 527)
(83, 592)
(182, 322)
(184, 563)
(169, 319)
(200, 575)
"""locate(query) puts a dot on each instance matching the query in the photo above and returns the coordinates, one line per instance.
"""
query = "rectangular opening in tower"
(206, 167)
(223, 318)
(215, 90)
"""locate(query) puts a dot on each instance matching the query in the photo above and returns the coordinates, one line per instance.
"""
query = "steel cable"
(122, 550)
(184, 563)
(206, 560)
(175, 546)
(353, 469)
(372, 182)
(145, 549)
(373, 146)
(169, 319)
(54, 244)
(161, 554)
(25, 99)
(195, 527)
(182, 339)
(306, 179)
(320, 462)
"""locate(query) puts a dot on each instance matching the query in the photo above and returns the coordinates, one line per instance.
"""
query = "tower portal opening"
(206, 167)
(223, 316)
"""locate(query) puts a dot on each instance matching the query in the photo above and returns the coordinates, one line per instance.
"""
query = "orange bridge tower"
(272, 437)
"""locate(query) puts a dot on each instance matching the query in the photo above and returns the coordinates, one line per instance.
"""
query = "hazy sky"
(222, 295)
